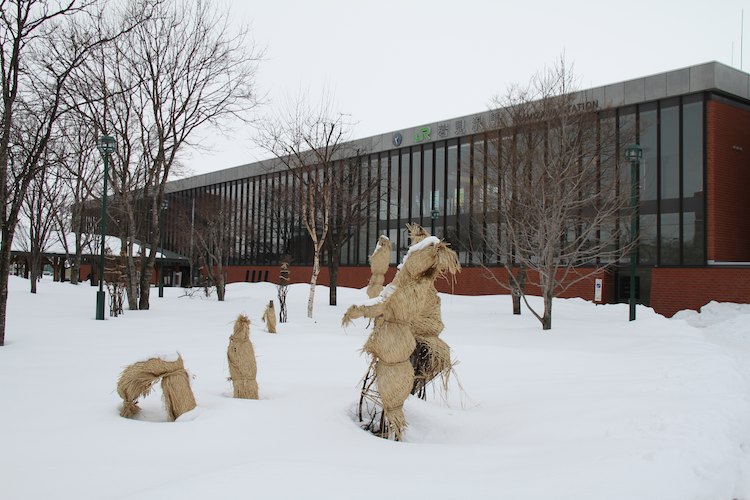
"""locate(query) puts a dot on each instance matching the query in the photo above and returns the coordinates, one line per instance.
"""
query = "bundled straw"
(241, 356)
(269, 317)
(406, 353)
(137, 380)
(379, 261)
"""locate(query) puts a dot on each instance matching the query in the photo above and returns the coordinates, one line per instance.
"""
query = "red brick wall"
(728, 179)
(471, 280)
(85, 272)
(674, 289)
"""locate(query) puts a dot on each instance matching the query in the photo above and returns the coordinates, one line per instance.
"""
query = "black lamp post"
(633, 153)
(106, 146)
(162, 208)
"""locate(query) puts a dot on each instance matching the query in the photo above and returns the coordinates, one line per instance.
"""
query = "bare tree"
(212, 238)
(41, 46)
(81, 173)
(560, 205)
(308, 140)
(352, 191)
(44, 198)
(182, 68)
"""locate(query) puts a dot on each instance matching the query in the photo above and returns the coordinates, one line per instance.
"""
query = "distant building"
(694, 213)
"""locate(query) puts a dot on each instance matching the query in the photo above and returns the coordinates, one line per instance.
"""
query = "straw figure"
(269, 317)
(379, 261)
(137, 381)
(241, 356)
(406, 353)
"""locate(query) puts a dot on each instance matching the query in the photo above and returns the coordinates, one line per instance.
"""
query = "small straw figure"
(404, 308)
(269, 317)
(137, 381)
(379, 261)
(241, 356)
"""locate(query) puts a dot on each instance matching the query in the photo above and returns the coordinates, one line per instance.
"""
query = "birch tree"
(307, 140)
(353, 190)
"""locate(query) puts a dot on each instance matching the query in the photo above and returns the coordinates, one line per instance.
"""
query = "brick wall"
(471, 280)
(674, 289)
(728, 180)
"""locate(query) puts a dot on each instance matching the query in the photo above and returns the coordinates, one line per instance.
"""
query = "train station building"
(694, 212)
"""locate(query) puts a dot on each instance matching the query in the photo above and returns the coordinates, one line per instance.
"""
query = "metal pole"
(161, 244)
(633, 233)
(100, 298)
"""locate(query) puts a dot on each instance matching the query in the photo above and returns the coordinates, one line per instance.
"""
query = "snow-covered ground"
(597, 408)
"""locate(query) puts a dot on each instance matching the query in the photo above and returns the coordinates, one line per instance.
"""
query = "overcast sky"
(396, 64)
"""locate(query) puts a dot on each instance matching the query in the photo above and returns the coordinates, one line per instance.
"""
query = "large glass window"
(692, 180)
(463, 191)
(669, 176)
(405, 197)
(384, 190)
(451, 192)
(393, 217)
(477, 198)
(427, 187)
(452, 175)
(626, 135)
(647, 127)
(394, 205)
(438, 197)
(416, 185)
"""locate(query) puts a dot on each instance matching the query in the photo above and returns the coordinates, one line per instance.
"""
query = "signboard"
(598, 290)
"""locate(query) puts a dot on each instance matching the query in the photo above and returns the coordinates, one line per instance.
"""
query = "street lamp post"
(106, 145)
(162, 208)
(633, 153)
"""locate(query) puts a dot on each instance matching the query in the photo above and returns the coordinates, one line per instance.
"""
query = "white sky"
(396, 64)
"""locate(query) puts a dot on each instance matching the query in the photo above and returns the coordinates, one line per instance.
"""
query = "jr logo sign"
(422, 135)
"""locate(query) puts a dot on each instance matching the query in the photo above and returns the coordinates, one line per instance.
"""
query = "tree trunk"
(149, 258)
(221, 284)
(516, 303)
(313, 281)
(131, 280)
(75, 270)
(34, 275)
(517, 287)
(547, 316)
(5, 246)
(4, 274)
(145, 285)
(333, 269)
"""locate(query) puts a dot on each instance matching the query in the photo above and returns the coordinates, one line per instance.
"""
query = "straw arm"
(360, 311)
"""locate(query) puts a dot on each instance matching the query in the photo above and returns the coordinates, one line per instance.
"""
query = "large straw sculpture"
(137, 381)
(406, 353)
(269, 317)
(379, 261)
(241, 356)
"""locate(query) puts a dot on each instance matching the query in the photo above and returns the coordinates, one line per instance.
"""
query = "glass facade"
(451, 176)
